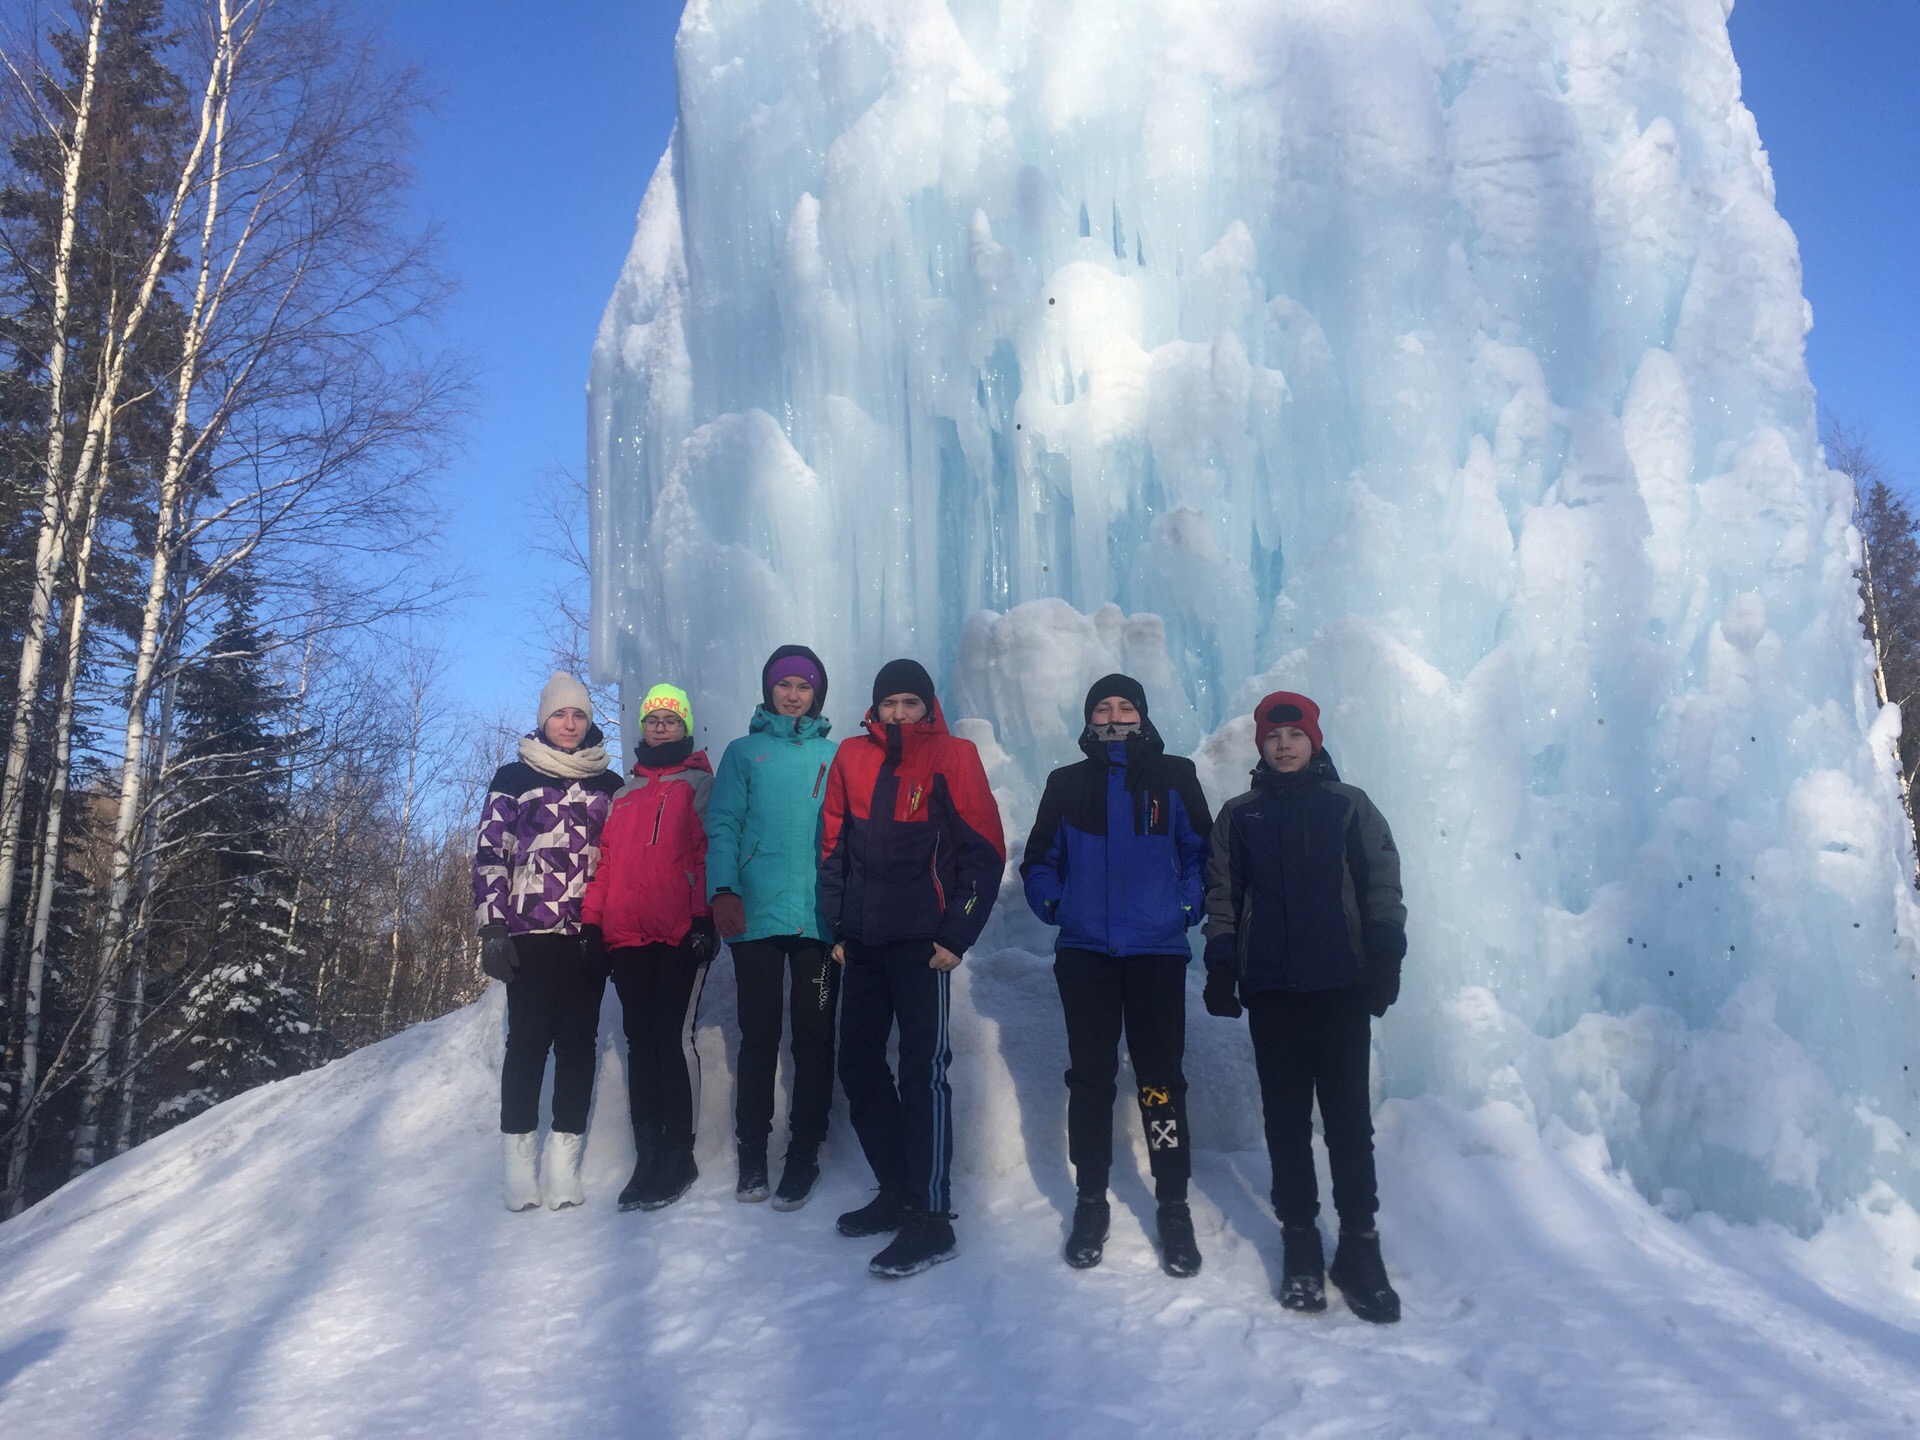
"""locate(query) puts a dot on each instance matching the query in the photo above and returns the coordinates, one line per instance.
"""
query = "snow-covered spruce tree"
(219, 912)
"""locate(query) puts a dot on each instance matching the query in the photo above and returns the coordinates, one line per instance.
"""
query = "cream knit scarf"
(558, 763)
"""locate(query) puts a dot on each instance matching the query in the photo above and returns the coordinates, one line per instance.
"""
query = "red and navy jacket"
(910, 840)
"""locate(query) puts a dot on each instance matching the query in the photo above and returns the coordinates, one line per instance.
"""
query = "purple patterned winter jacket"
(539, 841)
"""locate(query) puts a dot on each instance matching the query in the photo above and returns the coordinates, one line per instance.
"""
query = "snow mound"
(328, 1256)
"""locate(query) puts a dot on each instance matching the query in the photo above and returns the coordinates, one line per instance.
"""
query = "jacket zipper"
(817, 779)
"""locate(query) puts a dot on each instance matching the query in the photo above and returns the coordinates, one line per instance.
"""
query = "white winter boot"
(560, 1170)
(523, 1185)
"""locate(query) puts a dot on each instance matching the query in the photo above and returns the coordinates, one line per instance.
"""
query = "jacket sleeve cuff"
(1387, 942)
(1222, 953)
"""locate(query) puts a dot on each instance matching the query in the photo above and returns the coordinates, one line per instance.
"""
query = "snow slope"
(328, 1257)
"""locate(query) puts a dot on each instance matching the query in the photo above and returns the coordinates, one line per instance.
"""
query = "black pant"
(553, 1003)
(760, 971)
(1308, 1044)
(906, 1132)
(1146, 995)
(659, 988)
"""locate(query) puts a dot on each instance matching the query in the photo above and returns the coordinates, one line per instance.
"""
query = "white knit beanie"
(561, 691)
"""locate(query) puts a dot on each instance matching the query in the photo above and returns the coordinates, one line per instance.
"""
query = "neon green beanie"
(670, 698)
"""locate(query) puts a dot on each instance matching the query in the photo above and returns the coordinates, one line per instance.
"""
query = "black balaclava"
(903, 677)
(789, 652)
(1123, 687)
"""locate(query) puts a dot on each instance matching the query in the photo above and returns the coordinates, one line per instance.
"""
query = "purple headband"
(793, 666)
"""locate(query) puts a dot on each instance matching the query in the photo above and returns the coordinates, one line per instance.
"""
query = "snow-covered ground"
(329, 1257)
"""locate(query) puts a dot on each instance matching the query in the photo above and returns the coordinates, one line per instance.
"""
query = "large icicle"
(1442, 358)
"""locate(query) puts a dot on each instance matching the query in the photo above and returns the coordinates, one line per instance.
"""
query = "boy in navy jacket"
(1116, 859)
(1305, 921)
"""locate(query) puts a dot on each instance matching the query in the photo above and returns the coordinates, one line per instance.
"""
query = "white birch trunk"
(50, 545)
(172, 479)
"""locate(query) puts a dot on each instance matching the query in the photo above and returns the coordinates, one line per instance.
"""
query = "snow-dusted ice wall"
(1441, 358)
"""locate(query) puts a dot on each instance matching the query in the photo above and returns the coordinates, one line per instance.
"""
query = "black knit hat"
(1124, 687)
(794, 652)
(903, 677)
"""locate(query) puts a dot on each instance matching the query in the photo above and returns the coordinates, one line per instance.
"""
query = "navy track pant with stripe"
(905, 1130)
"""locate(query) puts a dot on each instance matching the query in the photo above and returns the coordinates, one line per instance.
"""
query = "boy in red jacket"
(646, 920)
(911, 855)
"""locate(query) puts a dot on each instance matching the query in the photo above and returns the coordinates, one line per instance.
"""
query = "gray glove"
(497, 955)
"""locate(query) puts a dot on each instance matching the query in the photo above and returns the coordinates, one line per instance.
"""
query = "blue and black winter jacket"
(1117, 855)
(1303, 887)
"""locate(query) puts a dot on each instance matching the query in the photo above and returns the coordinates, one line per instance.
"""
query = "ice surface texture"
(1440, 358)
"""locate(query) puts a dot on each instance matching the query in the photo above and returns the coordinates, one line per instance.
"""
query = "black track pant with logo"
(553, 1004)
(906, 1130)
(760, 970)
(1144, 996)
(1308, 1045)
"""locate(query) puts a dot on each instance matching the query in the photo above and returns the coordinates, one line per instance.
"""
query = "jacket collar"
(1320, 770)
(912, 737)
(788, 727)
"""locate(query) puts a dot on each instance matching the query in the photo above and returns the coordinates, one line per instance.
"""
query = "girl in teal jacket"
(763, 822)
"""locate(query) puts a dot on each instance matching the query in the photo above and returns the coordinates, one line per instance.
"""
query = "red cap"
(1283, 707)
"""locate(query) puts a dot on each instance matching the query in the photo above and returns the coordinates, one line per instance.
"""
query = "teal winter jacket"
(763, 823)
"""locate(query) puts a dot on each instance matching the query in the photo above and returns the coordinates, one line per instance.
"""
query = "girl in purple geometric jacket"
(539, 841)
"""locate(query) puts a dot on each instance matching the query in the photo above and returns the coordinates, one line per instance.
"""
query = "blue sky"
(551, 118)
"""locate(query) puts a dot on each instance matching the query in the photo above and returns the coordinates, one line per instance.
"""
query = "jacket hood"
(790, 652)
(788, 727)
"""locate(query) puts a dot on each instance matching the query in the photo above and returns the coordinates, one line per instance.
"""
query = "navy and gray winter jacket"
(1117, 855)
(1303, 887)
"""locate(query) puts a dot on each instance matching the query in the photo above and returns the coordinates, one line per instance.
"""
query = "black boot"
(634, 1197)
(923, 1242)
(882, 1215)
(1361, 1277)
(797, 1176)
(751, 1187)
(1179, 1251)
(1087, 1241)
(1303, 1269)
(673, 1178)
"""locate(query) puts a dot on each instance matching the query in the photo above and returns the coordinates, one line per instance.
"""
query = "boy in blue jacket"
(1305, 920)
(1116, 860)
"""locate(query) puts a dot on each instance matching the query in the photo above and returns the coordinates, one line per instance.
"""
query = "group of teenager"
(848, 880)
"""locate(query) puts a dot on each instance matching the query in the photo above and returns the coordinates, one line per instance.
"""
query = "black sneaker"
(882, 1215)
(634, 1197)
(1303, 1269)
(1087, 1241)
(923, 1242)
(751, 1187)
(1179, 1251)
(1361, 1277)
(797, 1177)
(672, 1180)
